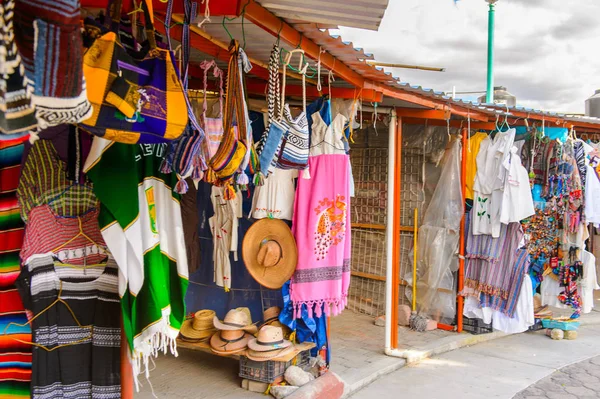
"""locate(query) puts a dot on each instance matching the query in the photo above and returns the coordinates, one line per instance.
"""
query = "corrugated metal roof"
(365, 14)
(259, 44)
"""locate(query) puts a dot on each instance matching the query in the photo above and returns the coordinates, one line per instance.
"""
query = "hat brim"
(274, 230)
(219, 346)
(189, 332)
(258, 347)
(264, 356)
(219, 325)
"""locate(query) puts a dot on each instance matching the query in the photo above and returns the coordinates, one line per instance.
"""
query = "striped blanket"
(15, 358)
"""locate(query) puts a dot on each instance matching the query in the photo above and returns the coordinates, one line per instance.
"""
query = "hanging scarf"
(141, 224)
(321, 227)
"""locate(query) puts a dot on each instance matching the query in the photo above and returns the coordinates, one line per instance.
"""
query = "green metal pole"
(489, 98)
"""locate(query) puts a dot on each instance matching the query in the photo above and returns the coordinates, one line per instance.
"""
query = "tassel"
(229, 192)
(165, 166)
(181, 187)
(210, 176)
(242, 181)
(259, 179)
(306, 173)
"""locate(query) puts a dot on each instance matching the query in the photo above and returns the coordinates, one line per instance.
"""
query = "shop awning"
(364, 14)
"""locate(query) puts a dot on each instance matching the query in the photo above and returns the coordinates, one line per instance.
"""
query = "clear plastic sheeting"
(438, 243)
(427, 140)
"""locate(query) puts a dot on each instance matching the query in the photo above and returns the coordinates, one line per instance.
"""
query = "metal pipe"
(406, 66)
(489, 98)
(389, 233)
(460, 301)
(415, 249)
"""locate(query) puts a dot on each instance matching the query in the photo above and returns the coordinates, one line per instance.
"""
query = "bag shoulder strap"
(217, 73)
(302, 70)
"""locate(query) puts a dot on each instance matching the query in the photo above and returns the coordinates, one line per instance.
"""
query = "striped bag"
(294, 150)
(134, 101)
(231, 153)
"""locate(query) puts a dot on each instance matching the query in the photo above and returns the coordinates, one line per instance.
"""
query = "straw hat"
(200, 327)
(258, 356)
(228, 342)
(235, 320)
(270, 253)
(269, 338)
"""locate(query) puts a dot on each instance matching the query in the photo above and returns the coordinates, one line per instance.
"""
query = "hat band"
(269, 343)
(234, 324)
(231, 341)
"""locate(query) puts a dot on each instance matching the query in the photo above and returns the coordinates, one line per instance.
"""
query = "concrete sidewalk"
(496, 369)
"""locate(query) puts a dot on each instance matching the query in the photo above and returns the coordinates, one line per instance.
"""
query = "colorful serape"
(15, 357)
(518, 271)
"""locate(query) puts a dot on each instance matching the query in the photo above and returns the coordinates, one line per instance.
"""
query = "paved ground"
(498, 369)
(580, 380)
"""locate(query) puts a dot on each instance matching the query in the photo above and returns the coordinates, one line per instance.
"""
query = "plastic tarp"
(438, 243)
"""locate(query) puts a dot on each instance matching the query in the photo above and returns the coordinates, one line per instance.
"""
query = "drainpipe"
(389, 233)
(489, 98)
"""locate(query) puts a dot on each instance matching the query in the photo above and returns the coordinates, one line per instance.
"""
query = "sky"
(547, 51)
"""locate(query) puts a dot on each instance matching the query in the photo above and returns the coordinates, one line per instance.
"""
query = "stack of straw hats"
(235, 331)
(268, 344)
(199, 328)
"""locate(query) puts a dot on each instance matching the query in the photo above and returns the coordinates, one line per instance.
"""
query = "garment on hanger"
(224, 227)
(592, 197)
(321, 227)
(474, 144)
(140, 219)
(328, 139)
(47, 232)
(15, 361)
(490, 181)
(517, 201)
(275, 199)
(189, 218)
(493, 278)
(589, 283)
(48, 35)
(17, 114)
(44, 180)
(73, 361)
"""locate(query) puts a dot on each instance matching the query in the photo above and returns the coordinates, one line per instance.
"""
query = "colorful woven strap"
(217, 73)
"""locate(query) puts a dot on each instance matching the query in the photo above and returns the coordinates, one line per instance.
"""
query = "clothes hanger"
(80, 234)
(59, 299)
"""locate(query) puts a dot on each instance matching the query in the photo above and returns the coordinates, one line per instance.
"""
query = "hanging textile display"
(80, 326)
(224, 228)
(15, 356)
(321, 226)
(134, 101)
(16, 111)
(236, 151)
(48, 35)
(45, 179)
(141, 223)
(490, 181)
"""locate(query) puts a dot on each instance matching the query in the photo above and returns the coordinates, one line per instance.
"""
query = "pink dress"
(321, 225)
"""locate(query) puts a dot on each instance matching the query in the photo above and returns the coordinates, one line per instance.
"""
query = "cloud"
(543, 49)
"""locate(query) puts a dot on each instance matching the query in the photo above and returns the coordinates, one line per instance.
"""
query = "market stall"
(171, 182)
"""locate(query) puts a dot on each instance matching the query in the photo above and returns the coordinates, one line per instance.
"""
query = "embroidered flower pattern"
(331, 226)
